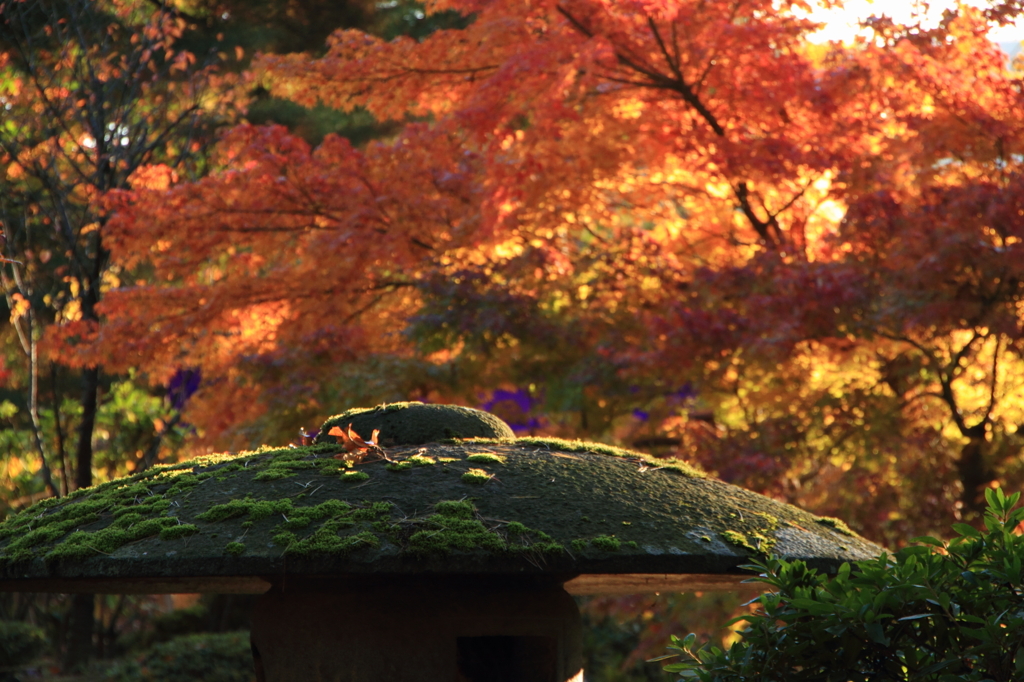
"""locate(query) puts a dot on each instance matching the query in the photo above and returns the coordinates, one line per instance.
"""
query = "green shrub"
(933, 612)
(19, 643)
(222, 657)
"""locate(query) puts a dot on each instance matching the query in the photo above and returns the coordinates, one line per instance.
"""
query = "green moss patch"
(355, 476)
(486, 458)
(836, 524)
(83, 544)
(759, 543)
(101, 519)
(326, 541)
(603, 543)
(457, 526)
(761, 540)
(182, 530)
(476, 476)
(273, 474)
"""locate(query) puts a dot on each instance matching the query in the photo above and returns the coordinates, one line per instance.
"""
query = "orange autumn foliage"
(823, 243)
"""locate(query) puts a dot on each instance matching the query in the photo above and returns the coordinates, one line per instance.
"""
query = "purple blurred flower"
(684, 392)
(521, 398)
(641, 414)
(523, 401)
(183, 386)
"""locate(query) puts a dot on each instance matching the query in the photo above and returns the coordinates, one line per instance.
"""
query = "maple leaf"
(356, 448)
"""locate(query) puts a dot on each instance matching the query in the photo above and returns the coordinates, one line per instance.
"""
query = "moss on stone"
(325, 541)
(761, 541)
(486, 458)
(329, 465)
(126, 502)
(476, 476)
(456, 509)
(421, 461)
(562, 445)
(355, 476)
(516, 528)
(284, 538)
(413, 423)
(273, 474)
(83, 544)
(398, 466)
(836, 524)
(607, 543)
(736, 538)
(234, 548)
(755, 542)
(182, 530)
(455, 525)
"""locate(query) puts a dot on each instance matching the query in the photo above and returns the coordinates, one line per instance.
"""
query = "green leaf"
(877, 633)
(966, 530)
(662, 658)
(928, 540)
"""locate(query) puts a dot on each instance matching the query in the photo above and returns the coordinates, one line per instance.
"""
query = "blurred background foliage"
(545, 383)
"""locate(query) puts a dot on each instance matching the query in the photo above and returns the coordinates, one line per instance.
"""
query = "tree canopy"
(797, 263)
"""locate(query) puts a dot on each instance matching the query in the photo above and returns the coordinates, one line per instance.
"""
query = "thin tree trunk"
(65, 472)
(82, 625)
(975, 475)
(83, 455)
(33, 406)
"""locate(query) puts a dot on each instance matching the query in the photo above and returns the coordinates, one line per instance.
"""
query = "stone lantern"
(447, 552)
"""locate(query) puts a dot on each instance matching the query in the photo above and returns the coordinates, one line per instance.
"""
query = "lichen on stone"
(761, 541)
(754, 542)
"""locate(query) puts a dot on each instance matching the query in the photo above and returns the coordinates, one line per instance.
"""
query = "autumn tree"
(96, 97)
(796, 263)
(105, 96)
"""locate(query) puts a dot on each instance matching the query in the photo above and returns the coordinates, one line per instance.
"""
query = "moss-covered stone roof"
(501, 506)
